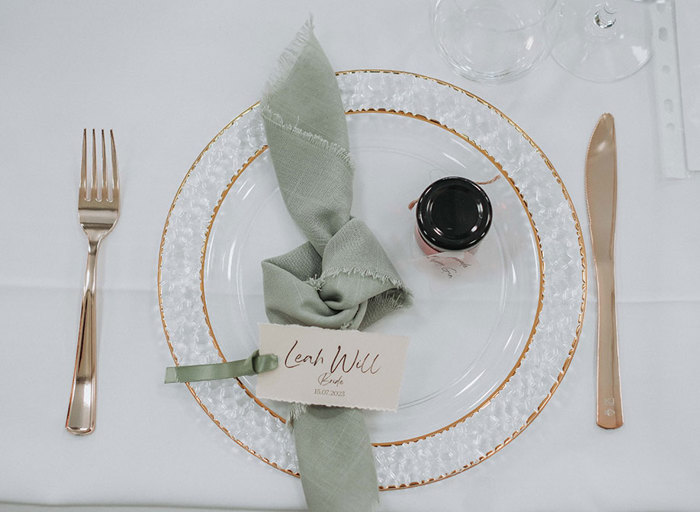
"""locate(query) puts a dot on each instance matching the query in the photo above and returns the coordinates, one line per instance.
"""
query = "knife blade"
(601, 200)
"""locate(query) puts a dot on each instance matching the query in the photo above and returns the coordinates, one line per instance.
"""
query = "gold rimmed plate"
(479, 336)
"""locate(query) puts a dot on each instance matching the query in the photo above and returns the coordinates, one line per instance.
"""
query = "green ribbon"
(254, 364)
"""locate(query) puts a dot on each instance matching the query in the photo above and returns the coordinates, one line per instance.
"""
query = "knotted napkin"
(340, 279)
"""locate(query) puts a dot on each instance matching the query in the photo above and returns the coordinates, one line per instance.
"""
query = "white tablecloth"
(167, 76)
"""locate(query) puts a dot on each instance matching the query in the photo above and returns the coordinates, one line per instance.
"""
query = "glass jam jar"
(452, 214)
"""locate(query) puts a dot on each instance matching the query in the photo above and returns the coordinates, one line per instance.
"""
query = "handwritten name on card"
(332, 367)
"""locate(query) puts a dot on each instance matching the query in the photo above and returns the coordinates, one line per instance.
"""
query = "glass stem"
(605, 14)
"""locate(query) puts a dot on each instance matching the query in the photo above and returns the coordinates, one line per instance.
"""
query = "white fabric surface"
(689, 57)
(167, 76)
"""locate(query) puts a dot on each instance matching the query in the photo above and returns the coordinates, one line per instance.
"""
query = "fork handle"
(81, 408)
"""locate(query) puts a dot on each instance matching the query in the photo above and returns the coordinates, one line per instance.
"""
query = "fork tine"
(93, 188)
(115, 170)
(83, 168)
(105, 193)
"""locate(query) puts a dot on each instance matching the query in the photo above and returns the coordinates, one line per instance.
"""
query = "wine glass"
(604, 41)
(495, 40)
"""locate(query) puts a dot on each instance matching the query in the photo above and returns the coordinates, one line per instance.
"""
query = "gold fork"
(98, 213)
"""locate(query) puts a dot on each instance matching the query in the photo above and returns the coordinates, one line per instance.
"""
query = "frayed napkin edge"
(312, 138)
(289, 57)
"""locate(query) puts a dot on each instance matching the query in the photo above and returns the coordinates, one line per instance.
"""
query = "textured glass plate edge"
(444, 454)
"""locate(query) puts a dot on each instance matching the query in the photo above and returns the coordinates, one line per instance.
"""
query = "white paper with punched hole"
(677, 72)
(342, 368)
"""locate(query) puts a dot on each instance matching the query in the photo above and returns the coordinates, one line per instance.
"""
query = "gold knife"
(601, 199)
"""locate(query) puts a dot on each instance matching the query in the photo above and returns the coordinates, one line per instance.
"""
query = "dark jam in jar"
(452, 214)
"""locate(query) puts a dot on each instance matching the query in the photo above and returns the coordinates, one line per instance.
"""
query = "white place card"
(332, 367)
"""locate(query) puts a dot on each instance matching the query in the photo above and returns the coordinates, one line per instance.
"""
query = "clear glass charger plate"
(489, 343)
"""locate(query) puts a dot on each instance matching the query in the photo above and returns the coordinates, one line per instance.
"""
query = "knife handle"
(609, 399)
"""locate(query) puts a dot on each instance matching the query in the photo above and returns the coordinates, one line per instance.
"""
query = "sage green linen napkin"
(341, 278)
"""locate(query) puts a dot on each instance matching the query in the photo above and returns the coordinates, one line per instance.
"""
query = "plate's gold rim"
(584, 283)
(503, 172)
